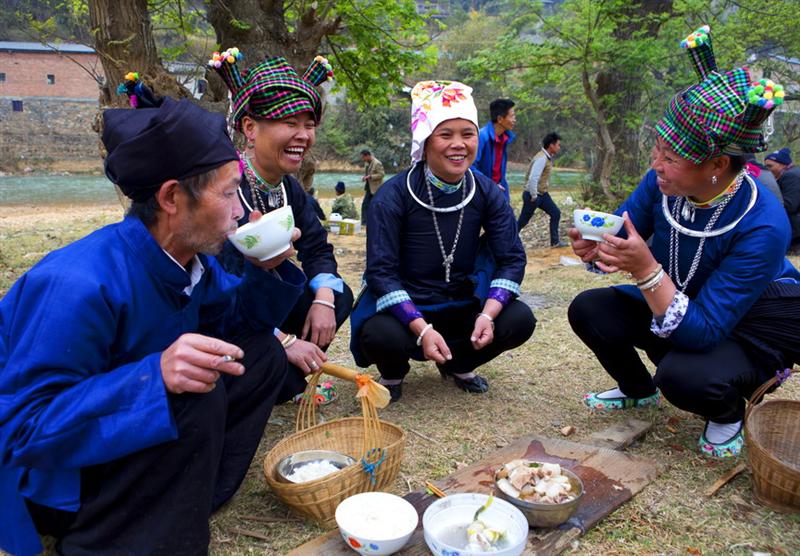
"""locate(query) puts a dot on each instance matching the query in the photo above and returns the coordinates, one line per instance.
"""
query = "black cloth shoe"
(474, 385)
(395, 391)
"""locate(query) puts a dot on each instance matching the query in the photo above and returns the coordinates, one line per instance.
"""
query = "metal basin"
(548, 515)
(287, 465)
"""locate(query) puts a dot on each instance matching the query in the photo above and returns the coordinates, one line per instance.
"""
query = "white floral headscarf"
(433, 102)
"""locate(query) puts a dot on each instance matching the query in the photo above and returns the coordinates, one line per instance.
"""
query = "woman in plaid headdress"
(715, 266)
(277, 111)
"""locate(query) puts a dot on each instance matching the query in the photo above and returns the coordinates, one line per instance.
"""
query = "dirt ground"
(536, 388)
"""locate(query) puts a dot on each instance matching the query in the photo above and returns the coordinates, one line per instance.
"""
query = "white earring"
(713, 180)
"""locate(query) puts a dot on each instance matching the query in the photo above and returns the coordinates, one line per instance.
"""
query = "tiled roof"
(13, 46)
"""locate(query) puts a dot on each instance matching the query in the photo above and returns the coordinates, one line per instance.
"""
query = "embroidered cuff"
(326, 280)
(405, 312)
(513, 287)
(391, 298)
(665, 325)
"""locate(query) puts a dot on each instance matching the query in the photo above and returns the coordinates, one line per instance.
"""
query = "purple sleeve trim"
(405, 312)
(501, 295)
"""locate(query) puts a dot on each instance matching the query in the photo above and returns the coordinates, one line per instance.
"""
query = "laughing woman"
(716, 296)
(432, 292)
(278, 111)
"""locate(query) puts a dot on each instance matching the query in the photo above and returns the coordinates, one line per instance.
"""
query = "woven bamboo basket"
(377, 446)
(772, 437)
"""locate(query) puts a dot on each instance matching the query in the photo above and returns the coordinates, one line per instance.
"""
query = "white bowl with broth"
(445, 524)
(267, 237)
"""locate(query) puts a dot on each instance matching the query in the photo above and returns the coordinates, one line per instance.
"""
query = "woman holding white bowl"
(716, 263)
(278, 111)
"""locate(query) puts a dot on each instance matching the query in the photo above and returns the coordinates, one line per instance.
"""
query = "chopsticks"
(434, 490)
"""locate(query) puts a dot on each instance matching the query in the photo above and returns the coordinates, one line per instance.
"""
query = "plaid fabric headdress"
(272, 89)
(721, 114)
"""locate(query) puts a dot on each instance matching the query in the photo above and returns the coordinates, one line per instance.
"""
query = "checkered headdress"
(272, 89)
(721, 114)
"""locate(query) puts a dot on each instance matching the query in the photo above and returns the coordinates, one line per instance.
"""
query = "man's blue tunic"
(81, 336)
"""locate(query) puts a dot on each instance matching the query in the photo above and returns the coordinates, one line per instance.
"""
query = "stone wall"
(49, 134)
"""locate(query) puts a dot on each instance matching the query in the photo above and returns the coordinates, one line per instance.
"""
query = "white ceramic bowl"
(376, 523)
(445, 521)
(267, 237)
(592, 224)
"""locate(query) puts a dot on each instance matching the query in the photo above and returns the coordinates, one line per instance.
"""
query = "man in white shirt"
(536, 194)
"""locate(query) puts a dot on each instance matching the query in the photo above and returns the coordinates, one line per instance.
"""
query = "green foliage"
(381, 42)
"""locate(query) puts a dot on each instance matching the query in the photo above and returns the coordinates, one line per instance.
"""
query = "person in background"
(435, 290)
(537, 194)
(713, 297)
(372, 178)
(788, 176)
(493, 141)
(763, 175)
(278, 111)
(312, 200)
(126, 418)
(343, 203)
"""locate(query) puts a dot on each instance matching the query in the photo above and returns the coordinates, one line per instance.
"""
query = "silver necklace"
(432, 208)
(673, 220)
(274, 193)
(674, 269)
(447, 258)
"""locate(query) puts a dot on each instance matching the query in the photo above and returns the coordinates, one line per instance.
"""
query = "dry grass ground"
(535, 389)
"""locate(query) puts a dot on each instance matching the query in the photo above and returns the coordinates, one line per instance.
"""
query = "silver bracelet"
(487, 317)
(653, 283)
(423, 332)
(325, 303)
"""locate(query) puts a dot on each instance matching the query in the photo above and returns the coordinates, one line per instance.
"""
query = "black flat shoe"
(395, 391)
(474, 385)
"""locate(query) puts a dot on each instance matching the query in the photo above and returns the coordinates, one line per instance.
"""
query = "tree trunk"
(259, 28)
(601, 172)
(620, 95)
(123, 39)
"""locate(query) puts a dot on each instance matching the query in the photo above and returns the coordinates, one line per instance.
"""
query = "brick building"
(47, 105)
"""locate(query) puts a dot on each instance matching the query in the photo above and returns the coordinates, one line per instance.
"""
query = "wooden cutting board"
(610, 479)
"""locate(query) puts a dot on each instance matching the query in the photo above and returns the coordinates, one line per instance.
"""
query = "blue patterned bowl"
(376, 523)
(592, 224)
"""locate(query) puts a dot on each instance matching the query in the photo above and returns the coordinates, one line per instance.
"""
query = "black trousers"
(159, 500)
(295, 381)
(544, 202)
(390, 345)
(712, 384)
(365, 204)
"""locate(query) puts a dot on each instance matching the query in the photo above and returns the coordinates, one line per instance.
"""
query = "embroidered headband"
(433, 102)
(722, 114)
(272, 89)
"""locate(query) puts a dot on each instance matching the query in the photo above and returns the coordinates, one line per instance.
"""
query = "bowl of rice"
(309, 465)
(376, 523)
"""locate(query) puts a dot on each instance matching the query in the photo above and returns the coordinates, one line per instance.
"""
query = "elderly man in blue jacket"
(493, 141)
(128, 413)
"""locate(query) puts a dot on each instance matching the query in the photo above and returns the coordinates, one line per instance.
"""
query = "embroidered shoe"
(325, 394)
(623, 402)
(731, 448)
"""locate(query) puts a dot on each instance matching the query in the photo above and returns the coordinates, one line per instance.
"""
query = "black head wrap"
(149, 146)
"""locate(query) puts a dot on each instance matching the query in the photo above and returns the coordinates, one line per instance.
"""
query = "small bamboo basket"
(772, 437)
(377, 447)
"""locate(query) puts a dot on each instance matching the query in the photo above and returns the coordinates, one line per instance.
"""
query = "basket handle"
(758, 395)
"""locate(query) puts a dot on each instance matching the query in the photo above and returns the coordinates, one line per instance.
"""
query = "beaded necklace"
(448, 258)
(275, 194)
(442, 185)
(679, 212)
